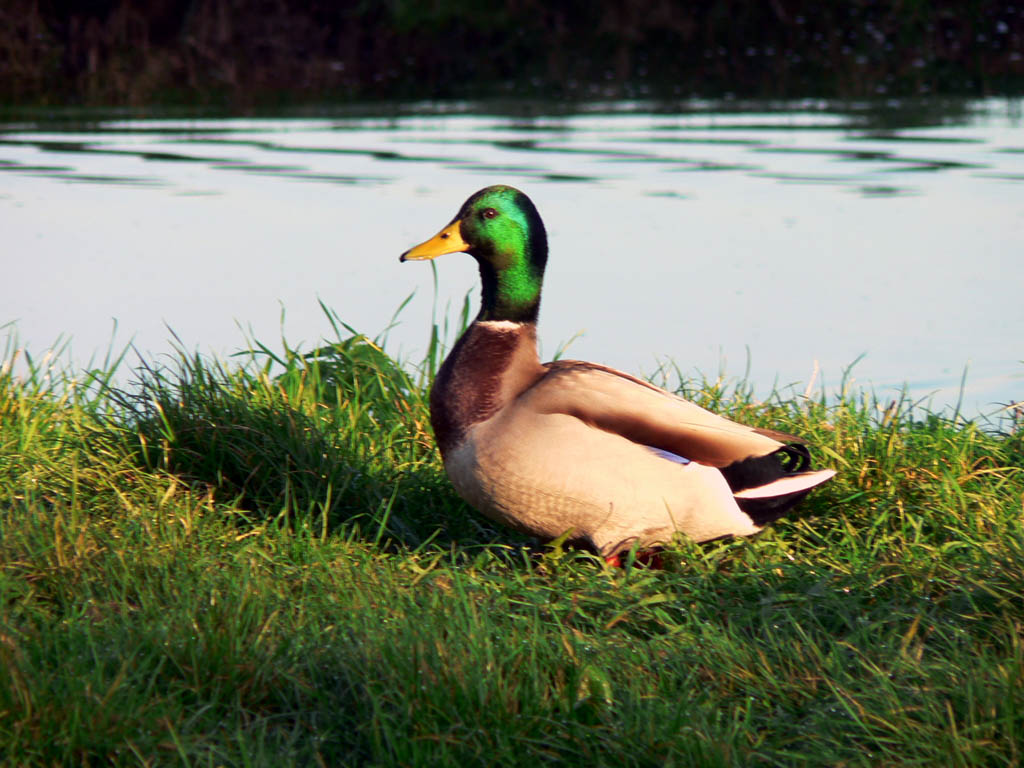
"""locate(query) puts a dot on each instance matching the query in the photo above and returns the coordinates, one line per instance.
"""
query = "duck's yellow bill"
(448, 240)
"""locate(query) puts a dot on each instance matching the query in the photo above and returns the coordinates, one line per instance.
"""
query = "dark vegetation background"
(241, 52)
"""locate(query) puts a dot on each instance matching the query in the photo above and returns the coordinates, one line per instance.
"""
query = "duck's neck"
(511, 294)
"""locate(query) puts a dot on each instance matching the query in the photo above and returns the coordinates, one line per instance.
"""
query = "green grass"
(260, 563)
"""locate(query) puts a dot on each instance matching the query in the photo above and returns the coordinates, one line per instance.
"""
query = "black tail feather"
(757, 471)
(764, 511)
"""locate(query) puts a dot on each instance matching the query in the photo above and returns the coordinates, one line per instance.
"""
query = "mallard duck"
(579, 449)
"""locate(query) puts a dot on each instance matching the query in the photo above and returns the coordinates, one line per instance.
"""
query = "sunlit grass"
(260, 562)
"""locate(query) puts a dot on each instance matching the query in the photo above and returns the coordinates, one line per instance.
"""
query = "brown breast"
(490, 365)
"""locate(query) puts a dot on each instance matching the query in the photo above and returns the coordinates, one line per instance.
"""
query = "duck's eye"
(489, 213)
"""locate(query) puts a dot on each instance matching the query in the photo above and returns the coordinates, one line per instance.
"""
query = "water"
(788, 241)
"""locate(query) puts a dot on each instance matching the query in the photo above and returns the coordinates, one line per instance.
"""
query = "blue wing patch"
(668, 455)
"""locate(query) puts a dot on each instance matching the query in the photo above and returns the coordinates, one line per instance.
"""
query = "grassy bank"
(260, 562)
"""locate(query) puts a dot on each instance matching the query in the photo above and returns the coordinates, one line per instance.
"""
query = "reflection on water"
(799, 235)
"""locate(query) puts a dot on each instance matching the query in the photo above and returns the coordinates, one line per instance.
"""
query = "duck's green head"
(500, 228)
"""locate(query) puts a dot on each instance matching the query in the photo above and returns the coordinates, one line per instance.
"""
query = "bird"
(579, 451)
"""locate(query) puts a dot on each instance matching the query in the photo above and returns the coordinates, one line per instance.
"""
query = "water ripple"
(810, 231)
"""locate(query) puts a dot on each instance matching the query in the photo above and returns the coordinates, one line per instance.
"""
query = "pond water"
(783, 242)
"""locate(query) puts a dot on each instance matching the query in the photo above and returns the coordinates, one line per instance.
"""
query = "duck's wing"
(617, 402)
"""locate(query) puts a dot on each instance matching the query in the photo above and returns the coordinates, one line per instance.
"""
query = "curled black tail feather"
(756, 471)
